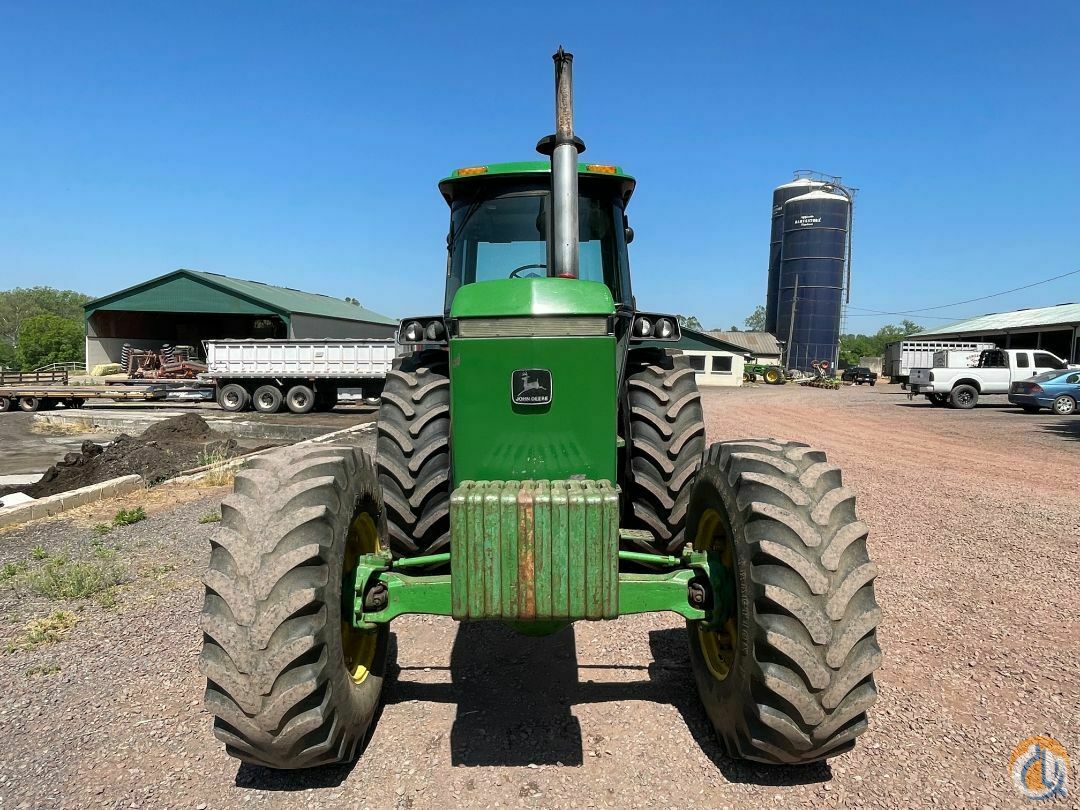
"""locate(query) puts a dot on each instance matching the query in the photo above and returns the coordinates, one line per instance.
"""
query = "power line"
(969, 300)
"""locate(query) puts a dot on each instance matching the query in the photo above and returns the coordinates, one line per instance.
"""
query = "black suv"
(859, 375)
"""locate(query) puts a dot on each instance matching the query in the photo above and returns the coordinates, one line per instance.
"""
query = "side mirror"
(629, 235)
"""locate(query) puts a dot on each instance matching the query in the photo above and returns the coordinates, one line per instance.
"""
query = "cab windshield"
(505, 236)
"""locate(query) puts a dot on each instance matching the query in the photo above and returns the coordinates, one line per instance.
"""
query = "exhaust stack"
(563, 148)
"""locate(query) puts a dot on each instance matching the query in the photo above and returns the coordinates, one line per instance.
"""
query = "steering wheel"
(516, 270)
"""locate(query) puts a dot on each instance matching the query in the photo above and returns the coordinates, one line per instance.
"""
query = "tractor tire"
(29, 404)
(1064, 405)
(964, 397)
(788, 677)
(290, 684)
(773, 376)
(5, 404)
(233, 398)
(413, 454)
(267, 399)
(300, 399)
(667, 438)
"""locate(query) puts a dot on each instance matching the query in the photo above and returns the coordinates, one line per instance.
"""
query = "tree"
(46, 339)
(19, 305)
(756, 321)
(689, 322)
(733, 328)
(853, 347)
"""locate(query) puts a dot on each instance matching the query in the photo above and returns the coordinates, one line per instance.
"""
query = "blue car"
(1057, 390)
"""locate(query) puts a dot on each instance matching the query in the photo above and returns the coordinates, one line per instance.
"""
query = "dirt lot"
(974, 517)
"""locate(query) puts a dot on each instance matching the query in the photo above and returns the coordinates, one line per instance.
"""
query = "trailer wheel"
(291, 683)
(667, 437)
(785, 671)
(267, 399)
(5, 404)
(300, 399)
(964, 397)
(29, 404)
(233, 397)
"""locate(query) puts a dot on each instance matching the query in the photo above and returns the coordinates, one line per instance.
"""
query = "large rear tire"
(667, 437)
(267, 399)
(414, 454)
(786, 676)
(5, 404)
(290, 683)
(300, 399)
(233, 398)
(964, 397)
(30, 404)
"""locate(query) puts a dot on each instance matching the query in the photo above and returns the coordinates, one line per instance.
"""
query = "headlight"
(435, 331)
(664, 328)
(642, 327)
(414, 332)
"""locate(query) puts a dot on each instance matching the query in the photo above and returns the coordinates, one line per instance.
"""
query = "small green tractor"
(540, 461)
(772, 375)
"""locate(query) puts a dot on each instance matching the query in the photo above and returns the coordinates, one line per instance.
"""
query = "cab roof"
(466, 176)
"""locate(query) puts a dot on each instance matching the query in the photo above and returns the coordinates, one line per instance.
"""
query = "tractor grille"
(574, 326)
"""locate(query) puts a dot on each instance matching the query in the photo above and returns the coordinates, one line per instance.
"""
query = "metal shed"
(1056, 329)
(186, 307)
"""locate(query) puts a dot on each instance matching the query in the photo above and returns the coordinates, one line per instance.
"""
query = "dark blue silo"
(813, 255)
(781, 194)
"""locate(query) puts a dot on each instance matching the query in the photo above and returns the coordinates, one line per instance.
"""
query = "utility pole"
(791, 322)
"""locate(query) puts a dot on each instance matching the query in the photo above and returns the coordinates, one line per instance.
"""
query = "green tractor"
(540, 461)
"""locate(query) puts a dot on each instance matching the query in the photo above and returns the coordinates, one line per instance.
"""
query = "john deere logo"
(530, 386)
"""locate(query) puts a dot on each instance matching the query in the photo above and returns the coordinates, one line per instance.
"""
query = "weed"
(11, 570)
(102, 529)
(107, 598)
(210, 517)
(44, 631)
(43, 669)
(215, 457)
(63, 578)
(125, 517)
(39, 553)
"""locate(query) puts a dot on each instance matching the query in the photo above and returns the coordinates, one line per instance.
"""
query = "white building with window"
(716, 361)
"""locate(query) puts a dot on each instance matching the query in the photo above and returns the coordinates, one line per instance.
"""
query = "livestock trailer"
(904, 355)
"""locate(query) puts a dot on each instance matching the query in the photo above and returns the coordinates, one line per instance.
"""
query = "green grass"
(210, 517)
(11, 570)
(44, 631)
(39, 553)
(64, 578)
(125, 517)
(43, 669)
(102, 529)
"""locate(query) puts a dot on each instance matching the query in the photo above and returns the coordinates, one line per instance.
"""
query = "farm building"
(1055, 329)
(761, 346)
(185, 307)
(716, 361)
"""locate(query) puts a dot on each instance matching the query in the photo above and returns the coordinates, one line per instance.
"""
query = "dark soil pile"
(164, 450)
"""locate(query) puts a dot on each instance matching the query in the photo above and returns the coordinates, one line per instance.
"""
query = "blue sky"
(300, 143)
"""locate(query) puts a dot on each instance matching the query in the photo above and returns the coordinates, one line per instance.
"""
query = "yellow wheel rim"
(717, 646)
(358, 646)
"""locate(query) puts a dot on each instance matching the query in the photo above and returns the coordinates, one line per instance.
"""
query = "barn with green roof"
(186, 307)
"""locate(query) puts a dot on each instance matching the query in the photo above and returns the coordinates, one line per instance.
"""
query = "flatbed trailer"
(30, 398)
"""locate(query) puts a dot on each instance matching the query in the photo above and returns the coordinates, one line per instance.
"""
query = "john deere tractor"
(541, 459)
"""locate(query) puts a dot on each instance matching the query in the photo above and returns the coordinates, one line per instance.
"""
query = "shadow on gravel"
(514, 696)
(1068, 428)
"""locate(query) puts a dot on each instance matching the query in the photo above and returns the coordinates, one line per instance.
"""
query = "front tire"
(414, 454)
(667, 437)
(1064, 405)
(290, 683)
(786, 676)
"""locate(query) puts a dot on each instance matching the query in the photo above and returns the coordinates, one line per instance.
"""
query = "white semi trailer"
(299, 374)
(904, 355)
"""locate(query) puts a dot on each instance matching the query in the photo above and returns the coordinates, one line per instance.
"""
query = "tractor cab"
(501, 225)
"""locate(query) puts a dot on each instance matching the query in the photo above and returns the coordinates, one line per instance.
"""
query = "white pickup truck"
(994, 373)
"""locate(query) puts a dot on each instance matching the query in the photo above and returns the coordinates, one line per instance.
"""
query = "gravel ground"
(974, 519)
